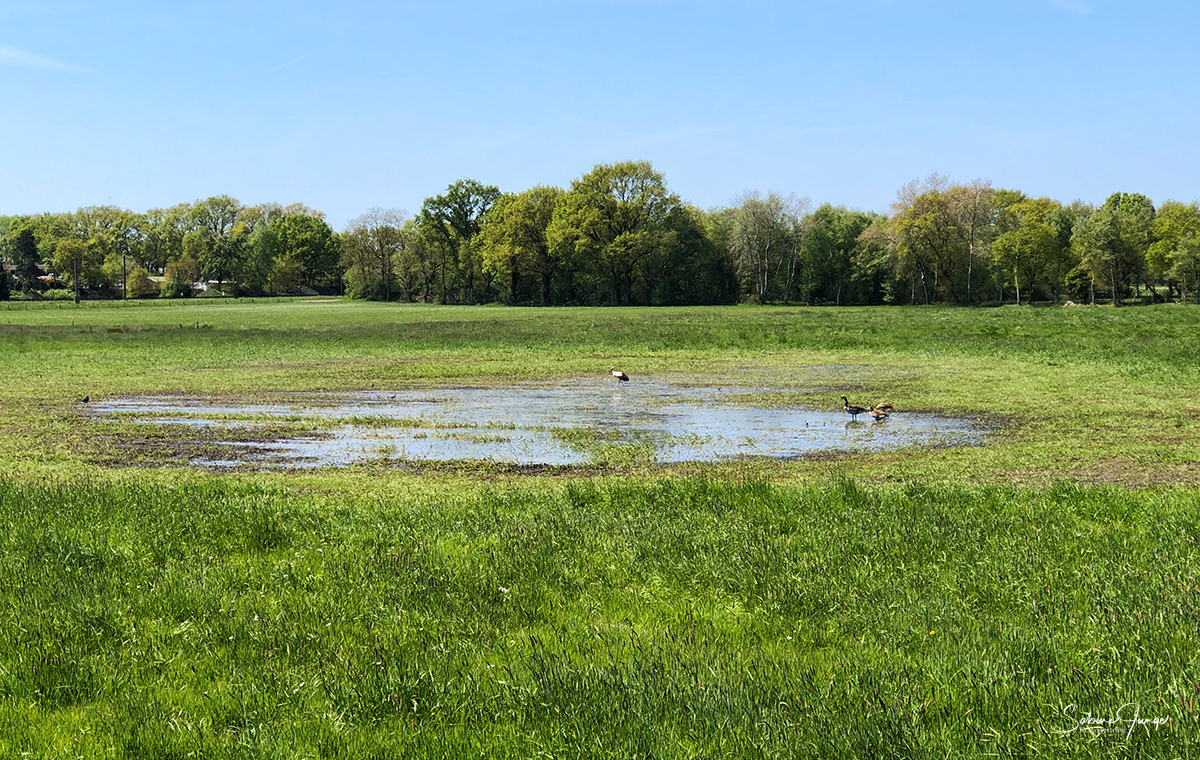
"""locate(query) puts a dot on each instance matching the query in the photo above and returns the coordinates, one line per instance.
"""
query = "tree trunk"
(545, 288)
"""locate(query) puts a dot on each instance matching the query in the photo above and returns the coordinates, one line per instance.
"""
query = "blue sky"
(344, 106)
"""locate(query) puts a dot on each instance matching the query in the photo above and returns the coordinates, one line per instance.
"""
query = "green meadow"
(971, 601)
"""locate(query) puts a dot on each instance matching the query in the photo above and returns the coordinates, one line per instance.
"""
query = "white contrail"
(11, 56)
(301, 58)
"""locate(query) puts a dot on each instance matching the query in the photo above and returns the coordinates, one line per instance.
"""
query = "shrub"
(140, 285)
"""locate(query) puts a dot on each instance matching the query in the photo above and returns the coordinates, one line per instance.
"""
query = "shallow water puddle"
(574, 422)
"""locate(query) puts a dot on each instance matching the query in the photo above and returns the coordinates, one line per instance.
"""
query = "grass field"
(915, 603)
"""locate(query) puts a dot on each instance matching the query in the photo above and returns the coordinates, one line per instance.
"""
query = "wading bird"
(853, 411)
(621, 376)
(878, 413)
(885, 407)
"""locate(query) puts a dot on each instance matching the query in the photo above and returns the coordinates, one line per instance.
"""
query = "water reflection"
(574, 422)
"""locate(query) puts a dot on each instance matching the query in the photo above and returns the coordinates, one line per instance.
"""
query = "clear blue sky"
(348, 105)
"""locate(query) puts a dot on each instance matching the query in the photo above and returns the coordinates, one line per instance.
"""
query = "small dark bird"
(853, 411)
(877, 413)
(621, 376)
(85, 399)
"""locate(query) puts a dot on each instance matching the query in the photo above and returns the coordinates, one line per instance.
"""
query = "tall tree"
(761, 240)
(77, 260)
(369, 248)
(1175, 254)
(309, 241)
(452, 220)
(513, 239)
(23, 249)
(1114, 240)
(974, 208)
(612, 219)
(932, 244)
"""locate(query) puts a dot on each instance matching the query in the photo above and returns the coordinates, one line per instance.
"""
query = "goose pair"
(877, 412)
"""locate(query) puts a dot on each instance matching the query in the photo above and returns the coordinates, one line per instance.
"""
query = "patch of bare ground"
(181, 445)
(1115, 471)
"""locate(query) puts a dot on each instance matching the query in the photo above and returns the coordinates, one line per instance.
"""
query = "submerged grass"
(683, 618)
(1091, 394)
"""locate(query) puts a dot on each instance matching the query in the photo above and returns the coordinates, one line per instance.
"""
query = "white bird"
(621, 376)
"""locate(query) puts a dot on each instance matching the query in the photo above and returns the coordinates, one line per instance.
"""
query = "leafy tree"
(513, 239)
(180, 277)
(694, 268)
(23, 250)
(1114, 240)
(139, 284)
(874, 262)
(261, 250)
(931, 244)
(77, 260)
(217, 215)
(763, 239)
(1033, 245)
(974, 207)
(611, 220)
(1025, 252)
(116, 270)
(370, 246)
(451, 221)
(285, 276)
(311, 243)
(829, 253)
(1175, 254)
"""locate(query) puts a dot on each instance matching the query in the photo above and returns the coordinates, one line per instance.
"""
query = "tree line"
(619, 236)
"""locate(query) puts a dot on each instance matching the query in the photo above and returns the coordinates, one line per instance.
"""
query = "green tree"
(307, 240)
(974, 208)
(513, 239)
(370, 246)
(931, 244)
(451, 221)
(1175, 254)
(284, 278)
(262, 248)
(829, 251)
(180, 277)
(1114, 240)
(612, 220)
(77, 260)
(23, 250)
(761, 237)
(139, 284)
(1034, 245)
(1025, 253)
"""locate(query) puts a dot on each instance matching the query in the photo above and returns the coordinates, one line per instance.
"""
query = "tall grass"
(672, 618)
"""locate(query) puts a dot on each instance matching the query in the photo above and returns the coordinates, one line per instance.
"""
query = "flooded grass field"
(190, 570)
(581, 421)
